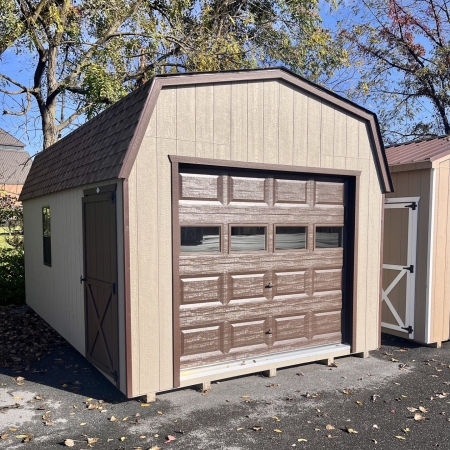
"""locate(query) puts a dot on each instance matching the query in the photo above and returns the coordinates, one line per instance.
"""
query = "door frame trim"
(411, 259)
(91, 195)
(352, 193)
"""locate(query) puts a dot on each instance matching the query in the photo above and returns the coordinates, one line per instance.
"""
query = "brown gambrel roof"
(428, 149)
(9, 140)
(105, 147)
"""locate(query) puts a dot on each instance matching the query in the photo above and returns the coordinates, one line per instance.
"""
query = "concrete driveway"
(397, 398)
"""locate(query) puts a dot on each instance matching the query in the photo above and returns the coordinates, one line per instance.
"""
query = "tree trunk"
(48, 126)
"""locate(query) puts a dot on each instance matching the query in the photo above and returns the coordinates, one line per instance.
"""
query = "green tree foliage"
(86, 54)
(404, 51)
(12, 263)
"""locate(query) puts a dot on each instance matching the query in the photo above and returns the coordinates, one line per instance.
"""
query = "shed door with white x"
(399, 264)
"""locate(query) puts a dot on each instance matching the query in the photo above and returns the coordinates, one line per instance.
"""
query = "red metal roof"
(416, 151)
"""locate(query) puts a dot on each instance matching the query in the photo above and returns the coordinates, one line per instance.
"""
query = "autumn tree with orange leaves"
(404, 72)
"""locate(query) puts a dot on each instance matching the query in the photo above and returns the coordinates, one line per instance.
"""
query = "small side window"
(46, 233)
(329, 237)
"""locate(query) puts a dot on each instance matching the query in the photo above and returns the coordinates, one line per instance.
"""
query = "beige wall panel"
(365, 204)
(204, 113)
(314, 132)
(239, 117)
(55, 292)
(352, 137)
(364, 148)
(374, 266)
(259, 131)
(134, 281)
(271, 121)
(186, 148)
(446, 298)
(164, 241)
(439, 255)
(255, 139)
(340, 134)
(300, 128)
(166, 119)
(148, 265)
(151, 129)
(222, 114)
(185, 120)
(327, 131)
(286, 125)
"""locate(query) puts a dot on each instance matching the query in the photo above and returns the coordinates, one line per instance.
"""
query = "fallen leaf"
(423, 409)
(145, 404)
(406, 430)
(155, 447)
(401, 437)
(4, 436)
(170, 438)
(160, 413)
(122, 438)
(412, 409)
(302, 440)
(346, 392)
(113, 419)
(91, 441)
(374, 441)
(257, 428)
(418, 417)
(394, 360)
(83, 424)
(276, 418)
(277, 430)
(351, 430)
(330, 427)
(376, 427)
(69, 443)
(358, 402)
(245, 396)
(239, 429)
(374, 398)
(12, 429)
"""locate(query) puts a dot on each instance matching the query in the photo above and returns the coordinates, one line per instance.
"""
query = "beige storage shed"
(210, 225)
(416, 263)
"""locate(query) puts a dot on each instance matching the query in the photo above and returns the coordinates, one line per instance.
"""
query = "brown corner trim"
(355, 267)
(176, 292)
(127, 289)
(258, 75)
(260, 166)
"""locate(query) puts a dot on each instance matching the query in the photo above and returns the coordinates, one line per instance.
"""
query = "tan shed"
(210, 225)
(416, 263)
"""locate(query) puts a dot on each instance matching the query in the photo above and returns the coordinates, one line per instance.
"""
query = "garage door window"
(329, 237)
(290, 238)
(249, 238)
(200, 239)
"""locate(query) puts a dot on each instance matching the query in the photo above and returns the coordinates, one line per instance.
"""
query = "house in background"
(15, 163)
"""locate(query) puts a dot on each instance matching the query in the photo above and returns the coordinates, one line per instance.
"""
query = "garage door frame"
(349, 294)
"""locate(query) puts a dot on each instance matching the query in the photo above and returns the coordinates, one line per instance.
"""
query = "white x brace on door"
(399, 263)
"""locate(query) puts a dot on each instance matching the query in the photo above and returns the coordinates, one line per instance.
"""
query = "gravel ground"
(397, 398)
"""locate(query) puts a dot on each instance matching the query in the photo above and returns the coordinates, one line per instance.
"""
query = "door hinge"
(410, 268)
(409, 329)
(114, 288)
(413, 206)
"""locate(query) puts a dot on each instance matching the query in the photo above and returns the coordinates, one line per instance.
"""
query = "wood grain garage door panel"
(242, 304)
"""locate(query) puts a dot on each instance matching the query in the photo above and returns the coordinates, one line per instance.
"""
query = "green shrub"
(12, 276)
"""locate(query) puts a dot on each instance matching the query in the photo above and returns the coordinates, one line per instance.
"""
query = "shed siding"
(440, 307)
(416, 183)
(268, 122)
(55, 292)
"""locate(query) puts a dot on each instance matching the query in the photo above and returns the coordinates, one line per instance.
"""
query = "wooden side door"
(399, 265)
(100, 282)
(259, 263)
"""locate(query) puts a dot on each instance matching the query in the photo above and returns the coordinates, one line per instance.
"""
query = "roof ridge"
(418, 140)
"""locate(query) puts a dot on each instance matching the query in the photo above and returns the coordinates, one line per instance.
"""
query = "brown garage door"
(260, 263)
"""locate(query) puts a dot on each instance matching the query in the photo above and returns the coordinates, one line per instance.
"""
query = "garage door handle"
(268, 286)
